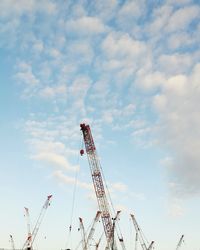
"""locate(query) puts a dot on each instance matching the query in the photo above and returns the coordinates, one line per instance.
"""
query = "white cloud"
(82, 52)
(38, 46)
(175, 63)
(178, 107)
(118, 187)
(13, 7)
(104, 9)
(129, 14)
(132, 9)
(52, 92)
(25, 75)
(161, 16)
(150, 80)
(180, 40)
(86, 26)
(179, 2)
(56, 160)
(182, 18)
(71, 180)
(175, 208)
(119, 46)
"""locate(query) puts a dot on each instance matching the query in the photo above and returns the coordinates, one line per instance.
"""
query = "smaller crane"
(12, 242)
(180, 242)
(82, 229)
(92, 230)
(29, 241)
(29, 237)
(86, 239)
(140, 236)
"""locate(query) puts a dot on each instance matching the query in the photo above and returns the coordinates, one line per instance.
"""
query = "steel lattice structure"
(98, 182)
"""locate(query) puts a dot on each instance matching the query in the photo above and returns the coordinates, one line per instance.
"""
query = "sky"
(129, 69)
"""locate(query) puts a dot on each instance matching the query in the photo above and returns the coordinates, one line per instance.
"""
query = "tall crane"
(180, 242)
(29, 241)
(95, 169)
(140, 236)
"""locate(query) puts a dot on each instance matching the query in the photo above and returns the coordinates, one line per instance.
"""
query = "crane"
(151, 245)
(87, 238)
(29, 241)
(82, 228)
(140, 236)
(92, 230)
(180, 242)
(95, 169)
(29, 237)
(12, 242)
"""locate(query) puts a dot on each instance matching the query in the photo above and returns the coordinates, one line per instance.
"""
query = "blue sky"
(131, 70)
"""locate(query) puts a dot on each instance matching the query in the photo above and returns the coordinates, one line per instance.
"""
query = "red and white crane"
(29, 241)
(98, 183)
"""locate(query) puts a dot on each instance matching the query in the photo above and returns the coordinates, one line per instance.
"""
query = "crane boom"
(82, 228)
(92, 230)
(97, 181)
(151, 246)
(29, 238)
(180, 242)
(12, 242)
(139, 235)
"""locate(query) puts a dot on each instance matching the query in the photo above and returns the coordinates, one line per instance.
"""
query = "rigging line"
(119, 233)
(74, 192)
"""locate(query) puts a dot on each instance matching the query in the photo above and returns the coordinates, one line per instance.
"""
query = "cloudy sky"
(131, 70)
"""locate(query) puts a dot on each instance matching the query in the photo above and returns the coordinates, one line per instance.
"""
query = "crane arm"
(82, 228)
(27, 244)
(180, 242)
(139, 233)
(151, 246)
(12, 242)
(29, 237)
(92, 230)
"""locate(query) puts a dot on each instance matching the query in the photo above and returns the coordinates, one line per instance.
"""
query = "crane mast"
(98, 182)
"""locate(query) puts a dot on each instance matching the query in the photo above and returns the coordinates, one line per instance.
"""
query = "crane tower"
(98, 182)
